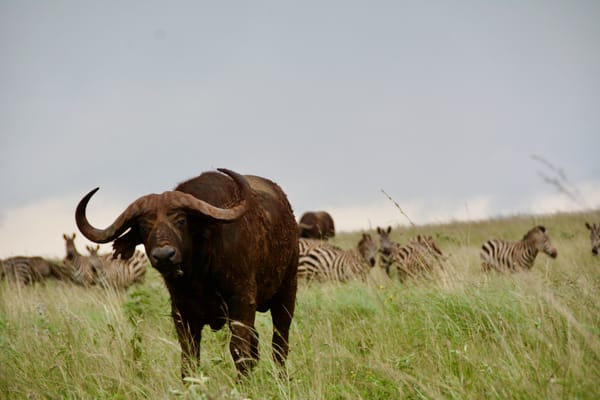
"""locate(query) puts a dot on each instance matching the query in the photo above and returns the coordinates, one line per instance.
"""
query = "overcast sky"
(441, 104)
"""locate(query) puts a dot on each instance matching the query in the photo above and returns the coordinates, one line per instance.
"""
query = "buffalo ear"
(124, 246)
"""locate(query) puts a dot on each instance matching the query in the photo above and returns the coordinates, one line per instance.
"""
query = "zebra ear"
(389, 229)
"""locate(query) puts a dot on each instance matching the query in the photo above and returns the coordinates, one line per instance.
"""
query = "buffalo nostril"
(163, 253)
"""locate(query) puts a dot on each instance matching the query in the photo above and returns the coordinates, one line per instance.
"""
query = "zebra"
(500, 255)
(78, 265)
(323, 261)
(417, 258)
(23, 271)
(594, 236)
(117, 273)
(386, 248)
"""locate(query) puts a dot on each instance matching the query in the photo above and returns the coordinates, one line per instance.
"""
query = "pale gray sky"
(440, 104)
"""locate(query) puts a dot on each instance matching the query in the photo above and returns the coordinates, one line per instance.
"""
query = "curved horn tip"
(91, 192)
(227, 171)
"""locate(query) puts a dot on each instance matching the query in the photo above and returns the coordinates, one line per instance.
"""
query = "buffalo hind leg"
(282, 311)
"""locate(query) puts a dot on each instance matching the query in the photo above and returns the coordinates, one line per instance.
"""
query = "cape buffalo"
(226, 246)
(316, 225)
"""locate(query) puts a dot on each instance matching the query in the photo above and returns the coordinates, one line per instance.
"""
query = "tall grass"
(464, 335)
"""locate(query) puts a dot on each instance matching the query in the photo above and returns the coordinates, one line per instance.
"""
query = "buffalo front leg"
(244, 338)
(189, 340)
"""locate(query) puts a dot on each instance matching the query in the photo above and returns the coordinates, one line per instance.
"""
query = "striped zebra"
(594, 236)
(22, 271)
(77, 264)
(117, 273)
(502, 255)
(386, 249)
(415, 259)
(322, 261)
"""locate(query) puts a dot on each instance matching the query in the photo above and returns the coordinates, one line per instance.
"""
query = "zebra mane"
(534, 229)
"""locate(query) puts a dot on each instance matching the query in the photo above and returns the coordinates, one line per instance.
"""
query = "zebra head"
(367, 249)
(71, 250)
(385, 243)
(594, 236)
(538, 237)
(386, 248)
(95, 262)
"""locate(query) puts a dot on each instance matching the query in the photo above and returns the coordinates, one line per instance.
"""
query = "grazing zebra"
(322, 261)
(23, 271)
(117, 273)
(501, 255)
(594, 236)
(78, 265)
(417, 258)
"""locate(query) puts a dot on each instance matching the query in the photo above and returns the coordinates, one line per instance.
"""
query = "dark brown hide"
(316, 225)
(219, 271)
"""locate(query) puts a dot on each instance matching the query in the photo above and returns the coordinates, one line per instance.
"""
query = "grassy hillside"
(465, 335)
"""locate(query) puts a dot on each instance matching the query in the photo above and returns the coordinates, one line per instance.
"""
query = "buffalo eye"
(144, 229)
(181, 222)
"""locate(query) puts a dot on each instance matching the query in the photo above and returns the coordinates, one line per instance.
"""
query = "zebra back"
(499, 255)
(306, 244)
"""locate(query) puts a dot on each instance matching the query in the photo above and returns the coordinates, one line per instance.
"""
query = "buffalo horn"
(174, 199)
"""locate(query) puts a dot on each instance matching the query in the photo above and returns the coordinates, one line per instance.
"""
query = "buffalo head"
(160, 222)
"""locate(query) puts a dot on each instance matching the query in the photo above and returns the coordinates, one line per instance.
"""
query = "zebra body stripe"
(500, 254)
(121, 274)
(20, 271)
(322, 261)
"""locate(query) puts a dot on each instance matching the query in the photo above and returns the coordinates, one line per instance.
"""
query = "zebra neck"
(529, 253)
